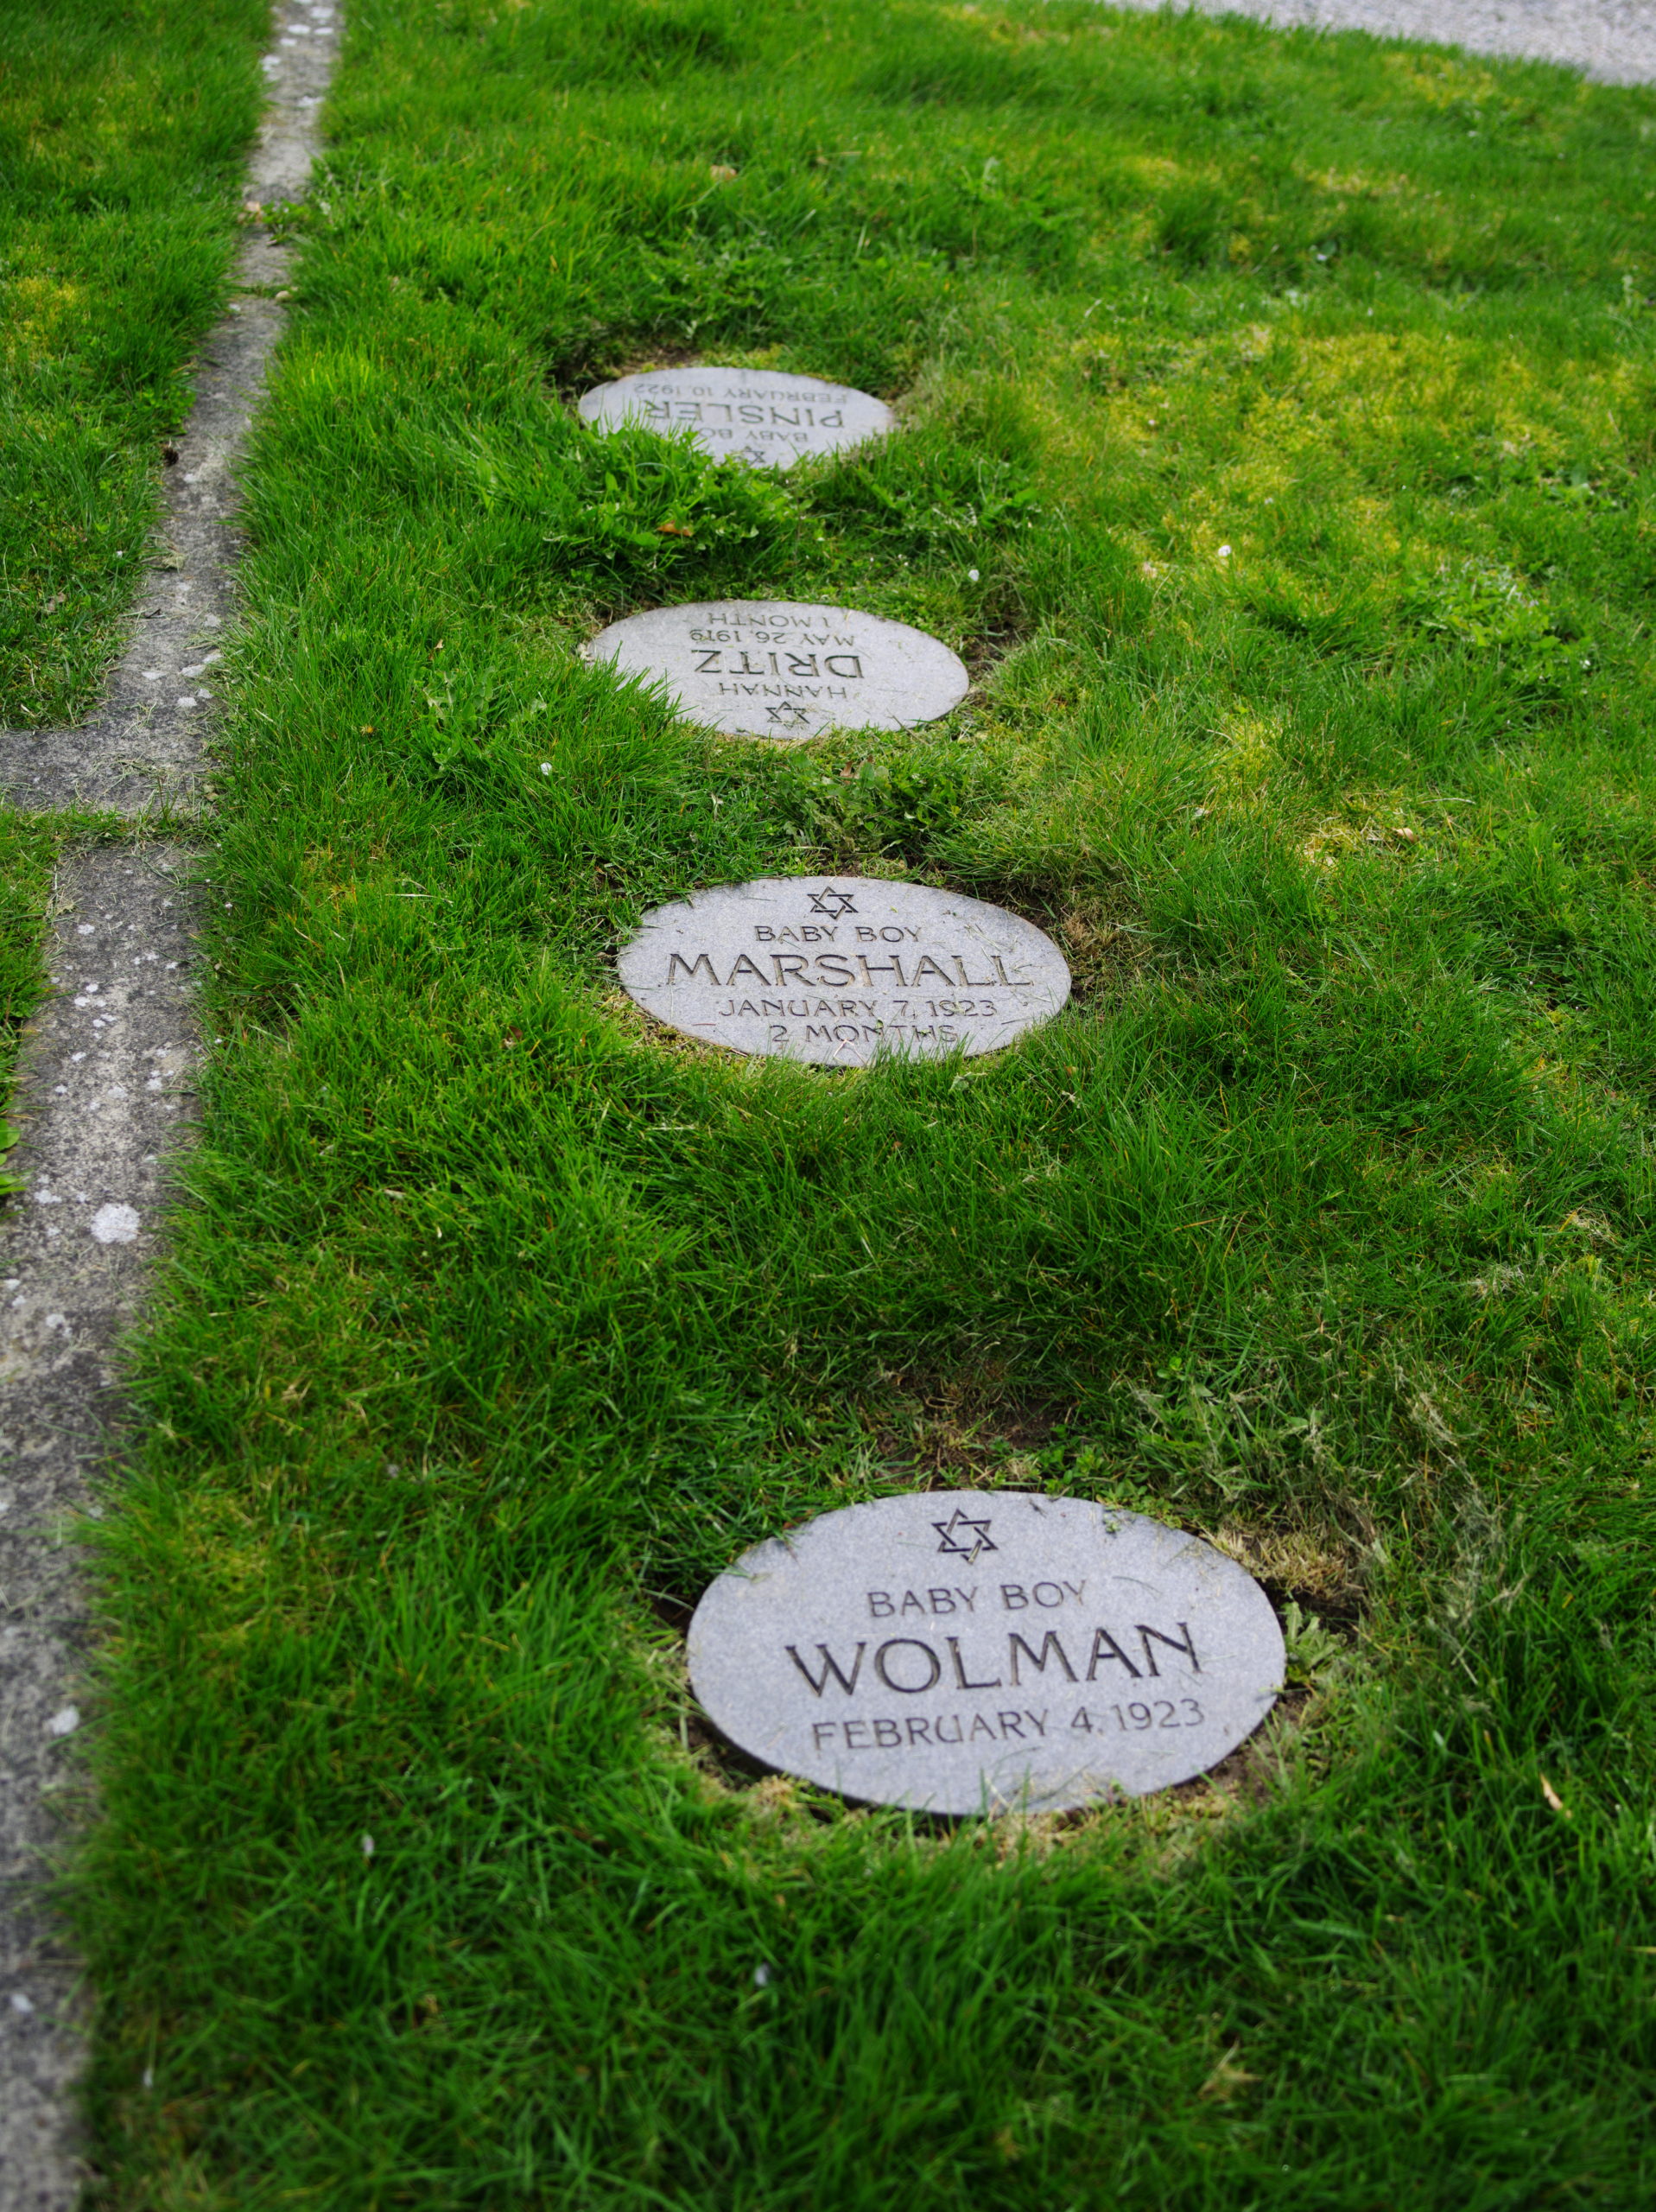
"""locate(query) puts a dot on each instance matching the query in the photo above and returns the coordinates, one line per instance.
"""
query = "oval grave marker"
(756, 416)
(837, 970)
(754, 668)
(979, 1651)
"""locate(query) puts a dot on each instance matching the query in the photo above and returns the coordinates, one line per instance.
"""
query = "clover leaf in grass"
(1484, 608)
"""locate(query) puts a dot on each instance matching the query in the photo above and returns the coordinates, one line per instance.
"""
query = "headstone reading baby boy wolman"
(758, 415)
(974, 1651)
(839, 969)
(768, 668)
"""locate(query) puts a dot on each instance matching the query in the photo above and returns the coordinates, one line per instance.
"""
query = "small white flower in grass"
(546, 767)
(763, 1977)
(973, 575)
(367, 1846)
(1224, 552)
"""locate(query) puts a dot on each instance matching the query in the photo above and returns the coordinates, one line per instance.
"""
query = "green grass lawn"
(123, 126)
(1321, 1222)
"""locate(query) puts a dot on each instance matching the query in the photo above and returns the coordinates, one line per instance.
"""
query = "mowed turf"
(123, 126)
(1276, 447)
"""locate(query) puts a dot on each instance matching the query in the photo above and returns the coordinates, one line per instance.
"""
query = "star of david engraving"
(954, 1540)
(790, 717)
(824, 902)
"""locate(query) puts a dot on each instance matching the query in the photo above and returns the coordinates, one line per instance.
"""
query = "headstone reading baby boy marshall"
(755, 416)
(978, 1652)
(838, 969)
(766, 669)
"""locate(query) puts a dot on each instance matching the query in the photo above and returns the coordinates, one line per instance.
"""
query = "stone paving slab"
(108, 1091)
(1614, 41)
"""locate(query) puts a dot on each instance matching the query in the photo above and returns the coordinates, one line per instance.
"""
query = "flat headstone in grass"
(759, 668)
(984, 1652)
(754, 415)
(839, 970)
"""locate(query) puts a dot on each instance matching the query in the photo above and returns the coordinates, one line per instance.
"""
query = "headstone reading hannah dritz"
(982, 1652)
(764, 669)
(754, 415)
(836, 970)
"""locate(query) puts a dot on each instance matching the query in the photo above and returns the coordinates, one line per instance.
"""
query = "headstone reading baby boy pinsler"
(839, 969)
(756, 416)
(976, 1651)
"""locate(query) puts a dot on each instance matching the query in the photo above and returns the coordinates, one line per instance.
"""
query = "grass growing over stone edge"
(123, 126)
(123, 131)
(30, 845)
(1322, 1222)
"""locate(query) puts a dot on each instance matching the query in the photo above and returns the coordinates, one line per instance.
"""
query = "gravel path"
(1612, 40)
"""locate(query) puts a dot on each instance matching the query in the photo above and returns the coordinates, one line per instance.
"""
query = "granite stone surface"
(983, 1651)
(839, 969)
(754, 415)
(768, 668)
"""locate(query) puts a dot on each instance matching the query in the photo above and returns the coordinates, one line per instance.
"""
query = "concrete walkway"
(1612, 40)
(105, 1104)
